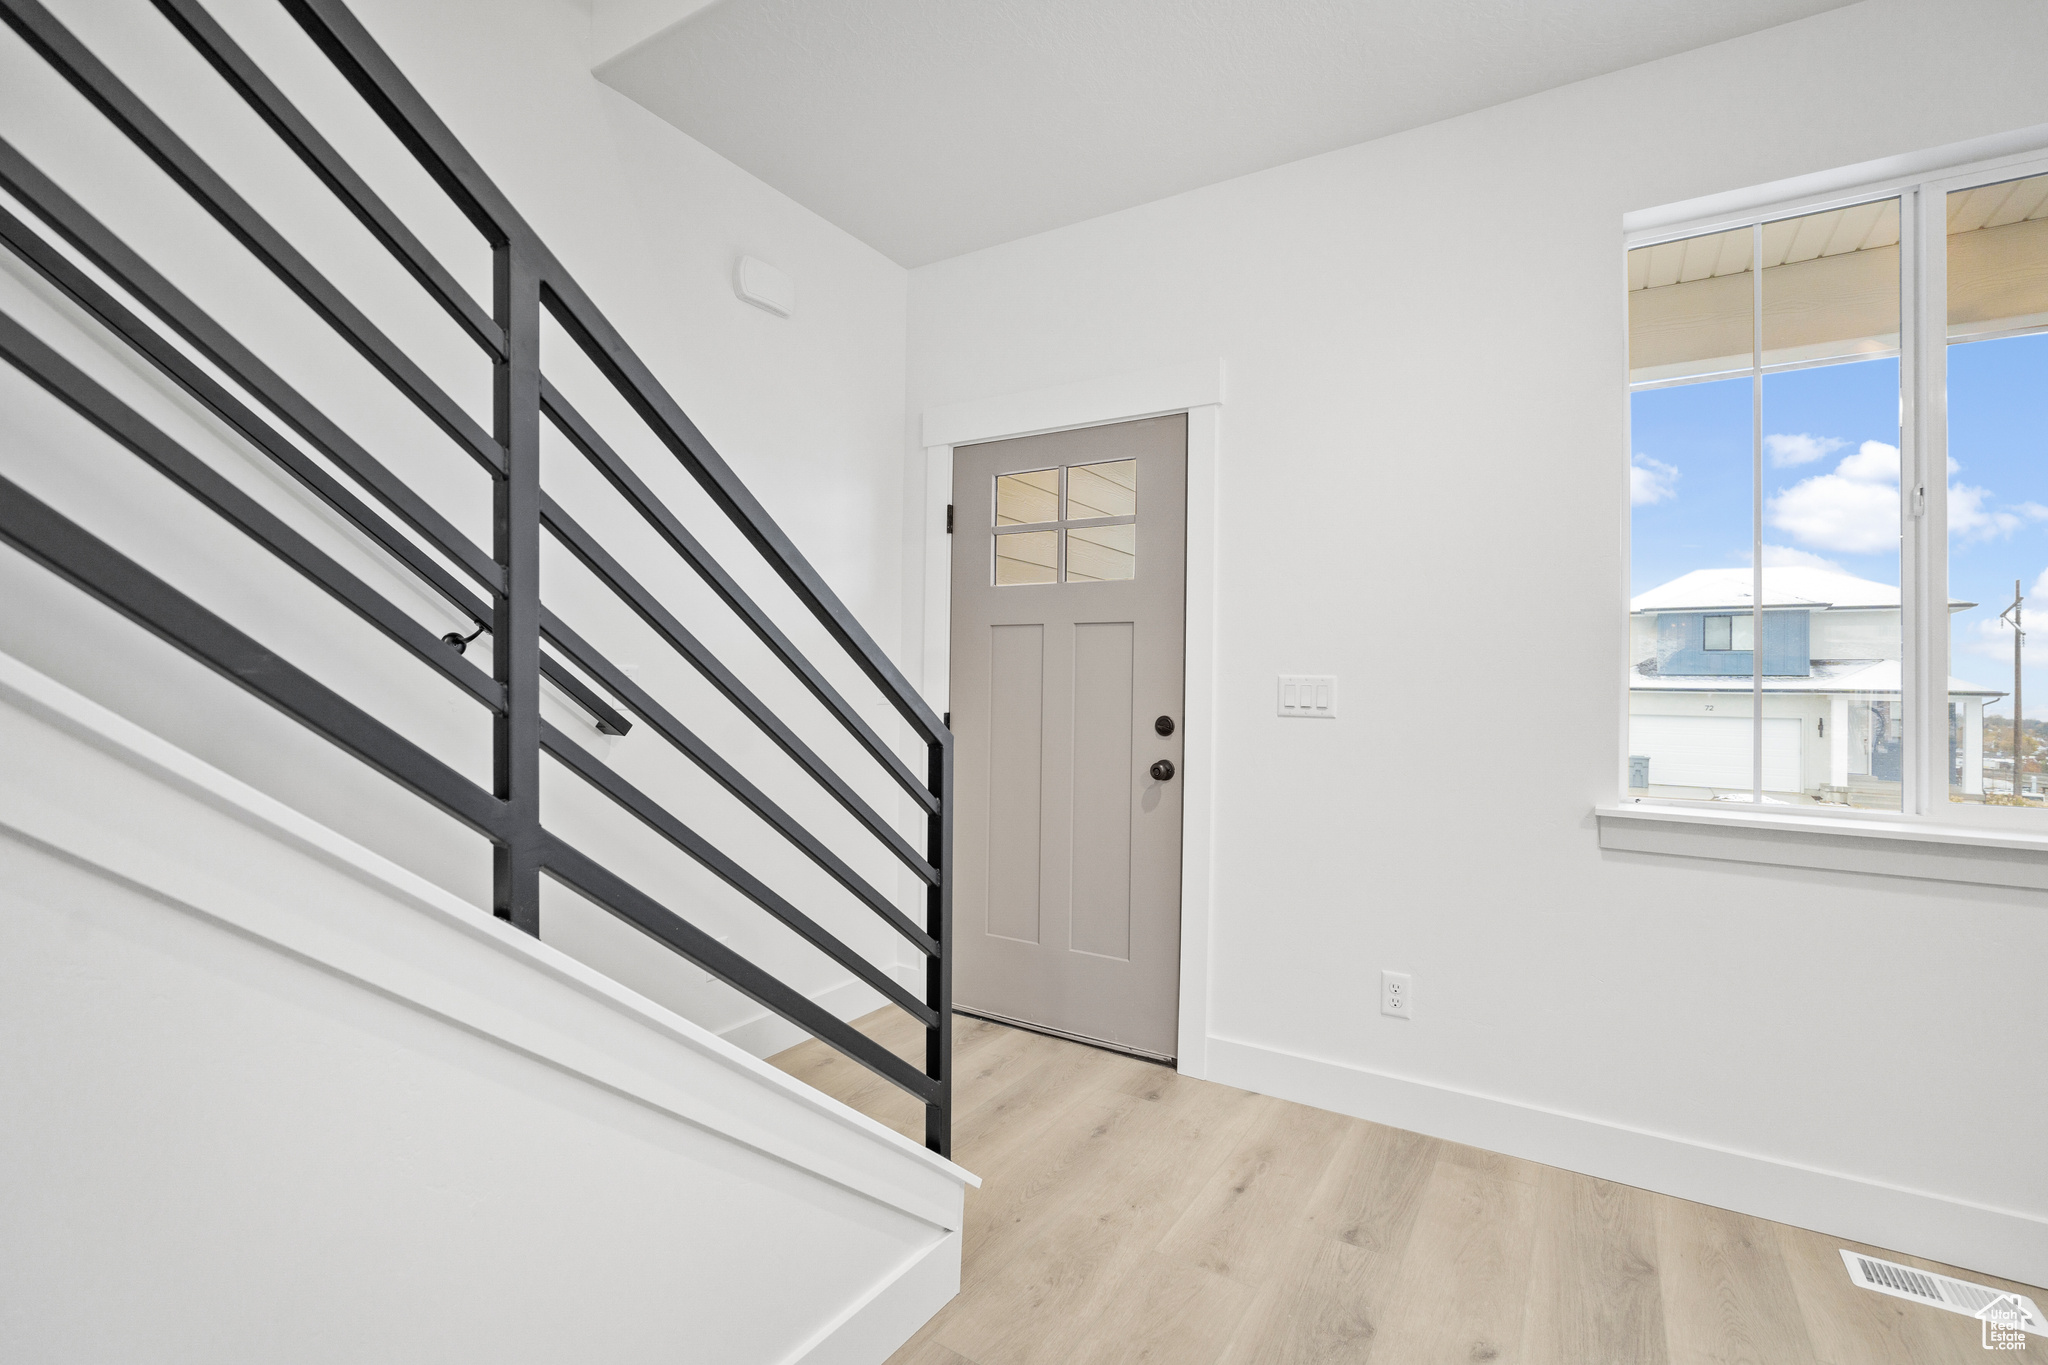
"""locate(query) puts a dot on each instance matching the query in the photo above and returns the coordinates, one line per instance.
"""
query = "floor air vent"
(1939, 1291)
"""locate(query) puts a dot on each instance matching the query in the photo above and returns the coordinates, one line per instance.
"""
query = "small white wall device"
(762, 285)
(1308, 694)
(1397, 995)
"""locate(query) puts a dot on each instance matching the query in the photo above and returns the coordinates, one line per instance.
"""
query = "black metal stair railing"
(498, 590)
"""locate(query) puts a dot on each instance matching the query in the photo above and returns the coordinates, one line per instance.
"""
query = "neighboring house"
(1831, 708)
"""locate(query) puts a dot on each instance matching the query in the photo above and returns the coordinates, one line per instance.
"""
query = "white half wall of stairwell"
(807, 409)
(271, 1097)
(1419, 477)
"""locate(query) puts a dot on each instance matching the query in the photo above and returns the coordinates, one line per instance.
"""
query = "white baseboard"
(869, 1331)
(766, 1034)
(1995, 1241)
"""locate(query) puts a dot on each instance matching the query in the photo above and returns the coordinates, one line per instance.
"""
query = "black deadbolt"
(1163, 726)
(1162, 771)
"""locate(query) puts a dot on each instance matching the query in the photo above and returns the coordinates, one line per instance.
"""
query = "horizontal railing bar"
(612, 892)
(651, 813)
(78, 556)
(364, 65)
(108, 253)
(606, 716)
(262, 95)
(573, 309)
(86, 292)
(384, 87)
(614, 575)
(636, 699)
(154, 138)
(175, 365)
(629, 486)
(71, 386)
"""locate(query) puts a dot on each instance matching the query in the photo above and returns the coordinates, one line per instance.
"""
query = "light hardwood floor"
(1130, 1214)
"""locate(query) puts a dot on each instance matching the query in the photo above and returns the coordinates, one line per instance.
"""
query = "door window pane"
(1027, 498)
(1098, 554)
(1998, 490)
(1102, 490)
(1027, 557)
(1063, 552)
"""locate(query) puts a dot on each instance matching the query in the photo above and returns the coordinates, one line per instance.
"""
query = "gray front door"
(1069, 587)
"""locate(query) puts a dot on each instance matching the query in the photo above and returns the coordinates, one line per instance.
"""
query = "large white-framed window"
(1838, 492)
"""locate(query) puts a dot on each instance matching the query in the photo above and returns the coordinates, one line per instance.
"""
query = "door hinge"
(1919, 502)
(949, 518)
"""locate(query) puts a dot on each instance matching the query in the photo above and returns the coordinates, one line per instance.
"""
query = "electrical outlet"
(1397, 995)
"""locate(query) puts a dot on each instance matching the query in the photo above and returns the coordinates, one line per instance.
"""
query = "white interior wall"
(807, 409)
(1420, 490)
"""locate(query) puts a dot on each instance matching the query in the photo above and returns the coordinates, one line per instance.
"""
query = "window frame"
(1923, 446)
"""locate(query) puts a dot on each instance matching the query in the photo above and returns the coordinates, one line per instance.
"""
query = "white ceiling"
(929, 128)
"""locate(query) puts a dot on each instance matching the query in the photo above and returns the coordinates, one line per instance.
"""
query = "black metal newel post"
(515, 627)
(938, 1056)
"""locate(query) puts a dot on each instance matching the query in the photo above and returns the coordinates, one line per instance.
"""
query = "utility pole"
(2012, 615)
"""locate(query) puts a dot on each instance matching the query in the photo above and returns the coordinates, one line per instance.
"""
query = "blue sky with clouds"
(1831, 486)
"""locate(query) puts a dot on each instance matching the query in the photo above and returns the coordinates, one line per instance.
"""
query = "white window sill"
(1891, 848)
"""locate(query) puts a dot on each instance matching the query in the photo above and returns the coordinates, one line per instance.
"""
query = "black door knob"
(1163, 726)
(1162, 771)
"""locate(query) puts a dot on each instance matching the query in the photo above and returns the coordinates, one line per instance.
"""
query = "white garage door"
(1714, 751)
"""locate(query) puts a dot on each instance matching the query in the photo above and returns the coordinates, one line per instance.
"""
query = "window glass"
(1831, 556)
(1102, 490)
(1690, 308)
(1027, 557)
(1028, 498)
(1766, 456)
(1087, 553)
(1100, 553)
(1832, 515)
(1997, 490)
(1691, 515)
(1831, 285)
(1770, 489)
